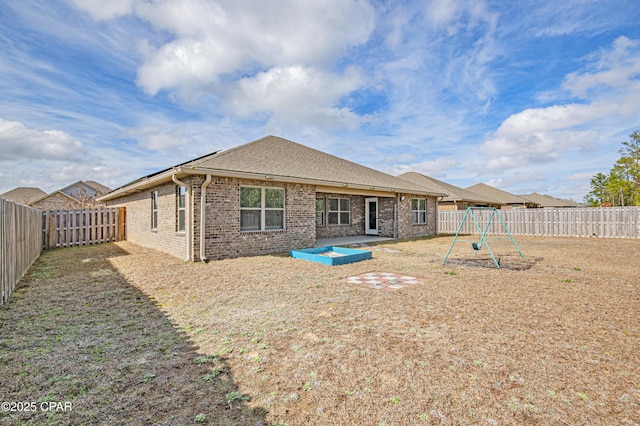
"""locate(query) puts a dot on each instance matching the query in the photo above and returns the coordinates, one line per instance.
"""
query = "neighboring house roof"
(275, 158)
(23, 194)
(549, 201)
(455, 193)
(56, 200)
(97, 186)
(88, 190)
(503, 197)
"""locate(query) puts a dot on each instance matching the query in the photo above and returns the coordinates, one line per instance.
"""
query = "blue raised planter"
(331, 255)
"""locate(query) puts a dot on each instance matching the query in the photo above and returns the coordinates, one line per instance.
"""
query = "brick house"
(268, 196)
(78, 195)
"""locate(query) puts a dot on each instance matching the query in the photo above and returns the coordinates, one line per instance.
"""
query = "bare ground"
(133, 336)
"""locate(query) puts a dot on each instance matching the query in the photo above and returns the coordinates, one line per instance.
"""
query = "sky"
(527, 96)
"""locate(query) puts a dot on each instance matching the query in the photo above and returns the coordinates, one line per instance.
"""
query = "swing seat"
(477, 246)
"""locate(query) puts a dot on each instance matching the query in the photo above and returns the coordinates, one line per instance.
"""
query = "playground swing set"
(477, 245)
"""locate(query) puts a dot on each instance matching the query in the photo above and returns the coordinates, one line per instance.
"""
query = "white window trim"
(426, 204)
(338, 211)
(155, 200)
(263, 209)
(183, 209)
(323, 211)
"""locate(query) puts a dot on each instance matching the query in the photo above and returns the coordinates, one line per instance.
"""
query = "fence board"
(20, 243)
(68, 228)
(606, 222)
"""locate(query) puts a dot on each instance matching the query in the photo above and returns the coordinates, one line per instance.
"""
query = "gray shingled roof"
(455, 193)
(283, 160)
(23, 194)
(503, 197)
(549, 201)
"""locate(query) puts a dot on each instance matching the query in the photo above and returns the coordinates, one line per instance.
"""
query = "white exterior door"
(371, 216)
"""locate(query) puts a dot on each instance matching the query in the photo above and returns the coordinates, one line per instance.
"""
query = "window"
(319, 211)
(339, 211)
(154, 210)
(418, 211)
(180, 208)
(261, 209)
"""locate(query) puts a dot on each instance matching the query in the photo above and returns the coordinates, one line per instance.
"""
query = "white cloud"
(616, 69)
(304, 92)
(525, 149)
(21, 142)
(104, 9)
(159, 138)
(535, 120)
(398, 158)
(581, 177)
(517, 180)
(442, 12)
(433, 168)
(213, 39)
(610, 90)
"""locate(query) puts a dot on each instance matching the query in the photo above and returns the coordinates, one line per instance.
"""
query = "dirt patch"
(512, 262)
(553, 341)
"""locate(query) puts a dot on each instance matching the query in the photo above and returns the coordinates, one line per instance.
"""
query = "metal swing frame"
(477, 245)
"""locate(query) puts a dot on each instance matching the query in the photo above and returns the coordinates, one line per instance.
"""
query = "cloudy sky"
(527, 95)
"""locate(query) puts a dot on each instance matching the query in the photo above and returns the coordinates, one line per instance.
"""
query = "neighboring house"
(268, 196)
(548, 201)
(23, 195)
(78, 195)
(457, 198)
(506, 199)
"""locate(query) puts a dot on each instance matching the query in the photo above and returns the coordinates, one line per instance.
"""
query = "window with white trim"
(261, 209)
(180, 208)
(154, 210)
(319, 211)
(418, 211)
(339, 211)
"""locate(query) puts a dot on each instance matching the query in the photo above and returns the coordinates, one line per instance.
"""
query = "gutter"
(187, 215)
(203, 216)
(149, 182)
(309, 181)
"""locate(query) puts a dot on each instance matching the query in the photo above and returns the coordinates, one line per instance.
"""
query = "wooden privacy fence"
(67, 228)
(605, 222)
(20, 243)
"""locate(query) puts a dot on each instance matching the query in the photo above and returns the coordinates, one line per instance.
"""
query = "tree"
(598, 194)
(621, 187)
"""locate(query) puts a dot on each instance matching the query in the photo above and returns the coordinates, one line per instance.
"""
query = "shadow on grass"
(81, 345)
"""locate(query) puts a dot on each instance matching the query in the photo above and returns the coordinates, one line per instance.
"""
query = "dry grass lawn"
(132, 336)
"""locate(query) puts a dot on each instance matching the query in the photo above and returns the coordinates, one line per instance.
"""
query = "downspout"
(203, 216)
(187, 215)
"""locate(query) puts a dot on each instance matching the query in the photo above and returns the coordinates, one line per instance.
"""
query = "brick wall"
(223, 236)
(408, 230)
(57, 201)
(165, 238)
(356, 227)
(386, 207)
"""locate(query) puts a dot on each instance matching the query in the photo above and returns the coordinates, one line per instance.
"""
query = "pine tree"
(621, 187)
